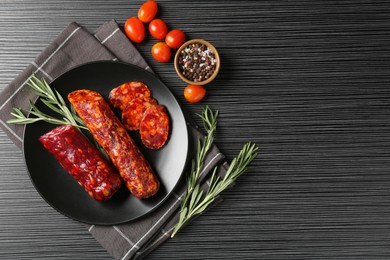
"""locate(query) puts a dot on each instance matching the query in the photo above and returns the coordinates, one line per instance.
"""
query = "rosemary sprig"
(53, 100)
(195, 200)
(209, 119)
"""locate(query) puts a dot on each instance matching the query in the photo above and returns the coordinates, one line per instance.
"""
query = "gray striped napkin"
(75, 46)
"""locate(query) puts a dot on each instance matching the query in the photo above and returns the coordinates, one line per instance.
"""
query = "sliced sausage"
(83, 161)
(134, 111)
(154, 127)
(122, 95)
(113, 137)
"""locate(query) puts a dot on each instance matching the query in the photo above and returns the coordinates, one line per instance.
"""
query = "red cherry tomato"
(158, 29)
(161, 52)
(175, 38)
(135, 29)
(194, 93)
(148, 11)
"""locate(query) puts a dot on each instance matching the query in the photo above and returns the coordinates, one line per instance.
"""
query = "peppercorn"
(197, 62)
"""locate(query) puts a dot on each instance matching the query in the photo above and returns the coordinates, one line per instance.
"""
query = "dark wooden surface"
(306, 80)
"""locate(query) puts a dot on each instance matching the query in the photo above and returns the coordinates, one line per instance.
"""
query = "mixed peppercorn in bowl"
(197, 62)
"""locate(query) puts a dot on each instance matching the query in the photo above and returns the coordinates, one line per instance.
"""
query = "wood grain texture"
(306, 80)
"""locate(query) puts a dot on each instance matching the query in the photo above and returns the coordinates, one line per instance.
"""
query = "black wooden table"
(308, 81)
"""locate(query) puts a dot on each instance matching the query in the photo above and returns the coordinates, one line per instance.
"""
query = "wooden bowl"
(217, 64)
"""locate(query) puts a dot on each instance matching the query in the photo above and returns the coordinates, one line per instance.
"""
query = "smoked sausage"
(134, 111)
(83, 161)
(121, 96)
(154, 127)
(109, 132)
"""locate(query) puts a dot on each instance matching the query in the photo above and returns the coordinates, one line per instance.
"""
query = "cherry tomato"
(175, 38)
(161, 52)
(135, 29)
(147, 11)
(194, 93)
(158, 29)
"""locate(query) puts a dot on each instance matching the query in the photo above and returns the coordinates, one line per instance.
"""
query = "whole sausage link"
(83, 161)
(109, 132)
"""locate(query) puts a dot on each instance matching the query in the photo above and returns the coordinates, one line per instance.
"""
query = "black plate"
(63, 193)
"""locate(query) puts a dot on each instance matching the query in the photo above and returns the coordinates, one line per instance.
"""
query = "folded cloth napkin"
(75, 46)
